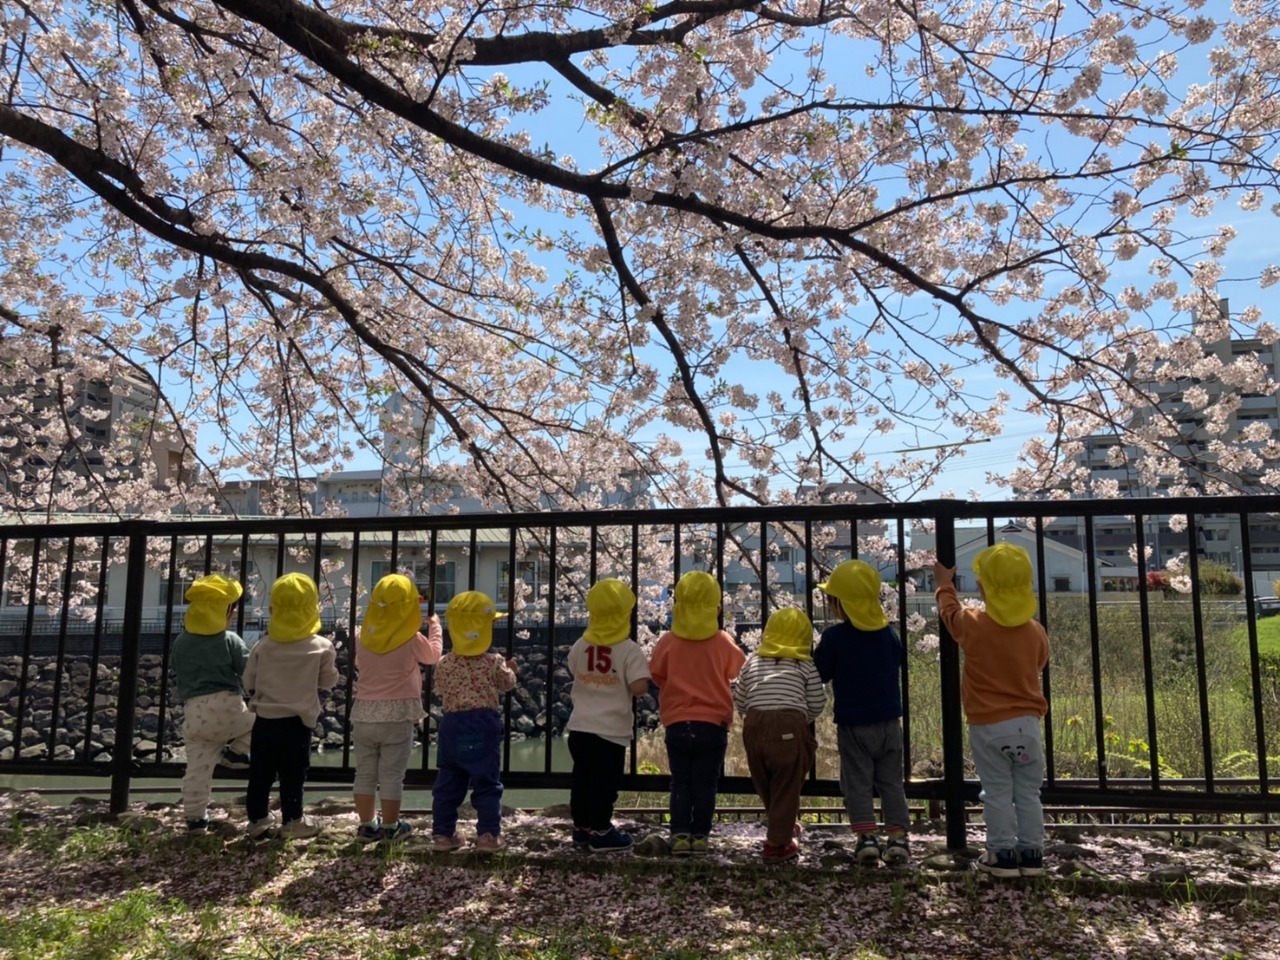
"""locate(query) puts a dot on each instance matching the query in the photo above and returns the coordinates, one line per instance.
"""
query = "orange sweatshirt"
(1002, 665)
(695, 677)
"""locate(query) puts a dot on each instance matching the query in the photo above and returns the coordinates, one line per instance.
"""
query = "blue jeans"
(695, 753)
(1010, 762)
(468, 754)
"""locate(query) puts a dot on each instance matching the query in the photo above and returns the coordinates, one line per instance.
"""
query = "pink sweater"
(394, 675)
(695, 677)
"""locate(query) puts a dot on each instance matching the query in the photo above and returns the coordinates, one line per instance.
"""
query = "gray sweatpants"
(871, 759)
(382, 756)
(213, 721)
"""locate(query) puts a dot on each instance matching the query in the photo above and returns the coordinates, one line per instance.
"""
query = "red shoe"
(772, 854)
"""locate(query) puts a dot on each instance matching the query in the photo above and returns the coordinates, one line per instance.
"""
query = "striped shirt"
(777, 683)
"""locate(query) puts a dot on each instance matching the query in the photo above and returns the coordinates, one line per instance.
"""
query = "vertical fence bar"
(1148, 660)
(952, 717)
(429, 674)
(349, 654)
(511, 632)
(28, 631)
(1095, 655)
(130, 645)
(550, 678)
(764, 573)
(1202, 680)
(901, 575)
(91, 697)
(177, 577)
(1255, 661)
(1045, 675)
(61, 655)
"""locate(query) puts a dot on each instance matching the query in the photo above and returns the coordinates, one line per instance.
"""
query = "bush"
(1217, 580)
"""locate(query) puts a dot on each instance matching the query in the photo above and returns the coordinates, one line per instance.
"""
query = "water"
(527, 755)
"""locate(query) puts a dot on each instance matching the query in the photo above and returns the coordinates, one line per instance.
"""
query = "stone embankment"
(85, 695)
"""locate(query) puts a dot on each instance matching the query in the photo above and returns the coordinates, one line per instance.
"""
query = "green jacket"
(208, 664)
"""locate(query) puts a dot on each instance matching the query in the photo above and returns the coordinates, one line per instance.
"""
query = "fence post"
(952, 716)
(130, 647)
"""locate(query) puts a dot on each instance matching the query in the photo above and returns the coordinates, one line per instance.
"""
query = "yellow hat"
(1004, 571)
(788, 635)
(857, 586)
(295, 609)
(696, 615)
(609, 606)
(470, 617)
(209, 598)
(393, 615)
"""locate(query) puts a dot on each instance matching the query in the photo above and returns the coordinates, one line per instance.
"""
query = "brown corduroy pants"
(780, 751)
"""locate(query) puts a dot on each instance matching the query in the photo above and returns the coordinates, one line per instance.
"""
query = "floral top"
(387, 711)
(472, 683)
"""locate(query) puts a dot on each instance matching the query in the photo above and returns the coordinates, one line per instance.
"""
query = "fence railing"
(1163, 683)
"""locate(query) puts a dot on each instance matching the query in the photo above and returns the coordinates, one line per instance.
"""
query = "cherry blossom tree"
(709, 249)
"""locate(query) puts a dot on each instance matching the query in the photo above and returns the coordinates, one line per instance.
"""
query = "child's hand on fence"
(511, 664)
(943, 575)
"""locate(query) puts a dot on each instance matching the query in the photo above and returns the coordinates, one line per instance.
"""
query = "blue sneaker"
(369, 832)
(612, 840)
(395, 832)
(231, 760)
(1031, 863)
(1000, 863)
(581, 837)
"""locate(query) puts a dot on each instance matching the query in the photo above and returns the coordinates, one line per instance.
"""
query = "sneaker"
(231, 760)
(772, 854)
(369, 832)
(395, 832)
(260, 828)
(197, 828)
(699, 844)
(1031, 863)
(489, 843)
(681, 844)
(867, 850)
(896, 851)
(999, 863)
(612, 840)
(445, 844)
(581, 836)
(301, 829)
(797, 829)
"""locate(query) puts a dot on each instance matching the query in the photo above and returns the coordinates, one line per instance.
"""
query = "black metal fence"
(1164, 682)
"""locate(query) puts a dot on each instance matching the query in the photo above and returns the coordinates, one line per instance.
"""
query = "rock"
(1210, 841)
(1069, 851)
(158, 805)
(559, 811)
(1073, 868)
(91, 818)
(947, 863)
(654, 845)
(136, 823)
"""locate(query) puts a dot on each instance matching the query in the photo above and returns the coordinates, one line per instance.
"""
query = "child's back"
(609, 669)
(694, 665)
(1005, 651)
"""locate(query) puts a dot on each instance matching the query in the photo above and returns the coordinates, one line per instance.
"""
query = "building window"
(418, 569)
(1061, 584)
(528, 571)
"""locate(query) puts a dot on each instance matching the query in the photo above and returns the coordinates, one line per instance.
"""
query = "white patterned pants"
(212, 722)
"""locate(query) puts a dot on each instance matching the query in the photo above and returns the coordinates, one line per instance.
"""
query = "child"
(861, 657)
(694, 665)
(1005, 652)
(388, 701)
(608, 669)
(207, 661)
(779, 694)
(469, 744)
(286, 670)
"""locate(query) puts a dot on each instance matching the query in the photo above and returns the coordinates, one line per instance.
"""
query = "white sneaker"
(259, 828)
(300, 829)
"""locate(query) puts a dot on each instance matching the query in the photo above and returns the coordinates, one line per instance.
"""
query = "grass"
(118, 894)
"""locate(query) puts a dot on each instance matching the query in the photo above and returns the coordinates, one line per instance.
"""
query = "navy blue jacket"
(864, 670)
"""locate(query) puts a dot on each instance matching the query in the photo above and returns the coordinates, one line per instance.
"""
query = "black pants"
(278, 748)
(597, 773)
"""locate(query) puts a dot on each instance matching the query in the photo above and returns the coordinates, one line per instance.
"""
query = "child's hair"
(1004, 573)
(857, 586)
(696, 615)
(295, 608)
(210, 599)
(470, 617)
